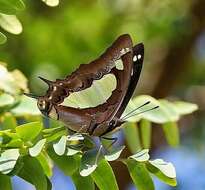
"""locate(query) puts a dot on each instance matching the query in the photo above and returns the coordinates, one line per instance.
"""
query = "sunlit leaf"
(75, 137)
(141, 156)
(6, 99)
(8, 160)
(82, 182)
(132, 136)
(185, 107)
(159, 174)
(114, 154)
(140, 175)
(20, 79)
(89, 161)
(33, 173)
(68, 164)
(166, 168)
(60, 146)
(7, 82)
(27, 106)
(104, 176)
(5, 182)
(171, 132)
(146, 130)
(46, 163)
(37, 148)
(164, 113)
(51, 3)
(10, 23)
(2, 38)
(29, 131)
(8, 121)
(11, 6)
(71, 151)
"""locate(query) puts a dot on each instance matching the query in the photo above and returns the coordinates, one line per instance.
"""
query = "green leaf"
(166, 168)
(60, 146)
(82, 182)
(140, 175)
(51, 3)
(8, 121)
(114, 154)
(8, 160)
(161, 175)
(146, 130)
(165, 113)
(184, 107)
(75, 137)
(27, 106)
(172, 133)
(33, 173)
(132, 136)
(71, 151)
(141, 156)
(11, 6)
(89, 162)
(29, 131)
(37, 148)
(7, 81)
(10, 23)
(46, 163)
(2, 38)
(6, 99)
(5, 182)
(104, 177)
(20, 80)
(68, 164)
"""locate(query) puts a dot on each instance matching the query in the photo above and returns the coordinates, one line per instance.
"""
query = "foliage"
(8, 20)
(30, 148)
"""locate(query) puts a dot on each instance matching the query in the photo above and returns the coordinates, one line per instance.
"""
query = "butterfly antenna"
(135, 109)
(124, 118)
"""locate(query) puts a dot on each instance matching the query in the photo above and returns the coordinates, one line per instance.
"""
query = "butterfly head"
(43, 104)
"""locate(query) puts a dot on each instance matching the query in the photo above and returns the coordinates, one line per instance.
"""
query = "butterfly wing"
(138, 57)
(120, 52)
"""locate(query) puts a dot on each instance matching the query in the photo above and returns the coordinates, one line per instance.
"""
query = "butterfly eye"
(112, 123)
(41, 104)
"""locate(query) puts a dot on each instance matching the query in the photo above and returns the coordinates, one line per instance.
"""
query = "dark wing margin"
(138, 57)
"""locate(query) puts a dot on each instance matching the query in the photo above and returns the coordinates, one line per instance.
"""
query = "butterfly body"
(121, 61)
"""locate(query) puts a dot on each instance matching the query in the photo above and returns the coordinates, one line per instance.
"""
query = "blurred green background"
(56, 40)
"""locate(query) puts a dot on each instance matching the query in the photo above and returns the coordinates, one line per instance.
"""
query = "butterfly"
(118, 69)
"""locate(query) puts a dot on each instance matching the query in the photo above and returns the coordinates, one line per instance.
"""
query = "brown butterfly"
(121, 61)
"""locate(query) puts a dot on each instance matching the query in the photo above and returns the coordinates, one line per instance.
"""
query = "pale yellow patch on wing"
(119, 64)
(97, 94)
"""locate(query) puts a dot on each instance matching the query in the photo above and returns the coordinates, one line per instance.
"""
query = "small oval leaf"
(10, 23)
(104, 176)
(140, 175)
(8, 160)
(75, 137)
(37, 148)
(141, 156)
(60, 146)
(166, 168)
(114, 154)
(89, 161)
